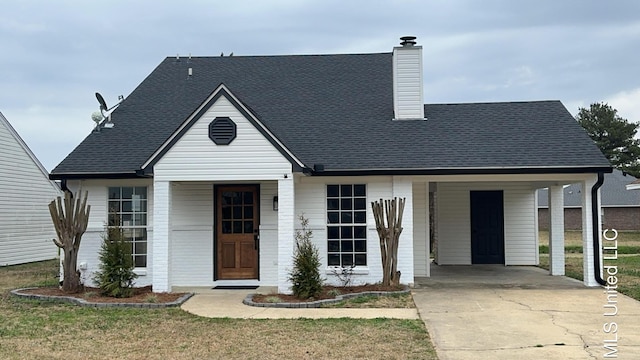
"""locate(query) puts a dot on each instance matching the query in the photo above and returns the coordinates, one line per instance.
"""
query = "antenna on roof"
(104, 113)
(221, 54)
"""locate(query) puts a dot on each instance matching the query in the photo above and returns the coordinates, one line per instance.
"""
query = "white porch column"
(428, 245)
(403, 188)
(556, 230)
(587, 232)
(286, 226)
(161, 278)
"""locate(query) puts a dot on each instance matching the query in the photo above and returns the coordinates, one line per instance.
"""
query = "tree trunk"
(389, 235)
(70, 221)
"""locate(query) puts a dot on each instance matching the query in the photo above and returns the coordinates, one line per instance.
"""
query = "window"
(347, 225)
(129, 206)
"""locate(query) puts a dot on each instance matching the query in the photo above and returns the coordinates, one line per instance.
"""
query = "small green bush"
(305, 275)
(115, 277)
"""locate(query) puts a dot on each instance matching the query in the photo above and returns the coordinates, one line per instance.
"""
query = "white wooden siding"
(193, 226)
(454, 228)
(26, 229)
(311, 201)
(420, 229)
(92, 238)
(407, 83)
(195, 157)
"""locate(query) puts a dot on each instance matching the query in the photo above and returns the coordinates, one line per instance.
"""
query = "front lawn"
(628, 261)
(36, 330)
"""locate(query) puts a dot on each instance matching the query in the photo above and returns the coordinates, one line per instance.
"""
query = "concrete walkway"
(484, 312)
(228, 303)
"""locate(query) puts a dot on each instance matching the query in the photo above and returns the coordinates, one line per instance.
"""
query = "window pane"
(333, 232)
(140, 261)
(248, 227)
(141, 206)
(248, 212)
(140, 220)
(333, 246)
(114, 206)
(346, 232)
(333, 204)
(361, 259)
(345, 190)
(237, 227)
(360, 190)
(248, 198)
(360, 245)
(140, 247)
(237, 212)
(346, 204)
(333, 191)
(141, 191)
(360, 204)
(127, 220)
(333, 217)
(360, 232)
(346, 245)
(114, 193)
(345, 217)
(226, 212)
(237, 198)
(360, 217)
(127, 192)
(347, 259)
(226, 227)
(334, 260)
(227, 197)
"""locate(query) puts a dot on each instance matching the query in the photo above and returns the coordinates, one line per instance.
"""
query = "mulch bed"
(328, 292)
(142, 295)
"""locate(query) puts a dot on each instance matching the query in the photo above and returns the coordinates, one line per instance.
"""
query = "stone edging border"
(319, 303)
(84, 303)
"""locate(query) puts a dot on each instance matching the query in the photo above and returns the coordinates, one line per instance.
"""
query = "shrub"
(115, 277)
(305, 275)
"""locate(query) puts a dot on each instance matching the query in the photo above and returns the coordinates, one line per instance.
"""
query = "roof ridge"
(277, 55)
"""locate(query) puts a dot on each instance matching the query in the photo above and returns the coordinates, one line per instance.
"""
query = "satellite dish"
(103, 104)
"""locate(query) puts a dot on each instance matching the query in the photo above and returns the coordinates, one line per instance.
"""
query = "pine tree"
(115, 277)
(305, 275)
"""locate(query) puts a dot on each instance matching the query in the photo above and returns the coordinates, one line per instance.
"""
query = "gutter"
(595, 214)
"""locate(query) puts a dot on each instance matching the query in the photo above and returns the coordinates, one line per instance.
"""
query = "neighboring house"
(634, 185)
(26, 229)
(211, 160)
(619, 210)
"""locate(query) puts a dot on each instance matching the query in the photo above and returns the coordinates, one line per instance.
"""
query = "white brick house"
(216, 157)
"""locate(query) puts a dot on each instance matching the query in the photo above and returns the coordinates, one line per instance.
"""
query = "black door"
(487, 227)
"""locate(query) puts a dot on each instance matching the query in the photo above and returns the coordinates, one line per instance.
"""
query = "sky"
(55, 55)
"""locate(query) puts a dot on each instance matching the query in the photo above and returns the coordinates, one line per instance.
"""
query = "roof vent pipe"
(408, 41)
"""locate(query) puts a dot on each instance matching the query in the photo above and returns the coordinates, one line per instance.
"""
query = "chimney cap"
(408, 40)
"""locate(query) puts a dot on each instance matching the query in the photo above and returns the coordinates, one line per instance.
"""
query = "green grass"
(628, 261)
(50, 330)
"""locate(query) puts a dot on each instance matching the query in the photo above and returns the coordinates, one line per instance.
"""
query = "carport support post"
(587, 233)
(556, 230)
(286, 225)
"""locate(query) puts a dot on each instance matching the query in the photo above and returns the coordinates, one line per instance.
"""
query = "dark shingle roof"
(613, 192)
(336, 110)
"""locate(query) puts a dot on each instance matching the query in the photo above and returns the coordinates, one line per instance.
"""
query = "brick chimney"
(408, 103)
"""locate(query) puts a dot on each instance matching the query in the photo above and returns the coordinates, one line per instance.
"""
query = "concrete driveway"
(498, 312)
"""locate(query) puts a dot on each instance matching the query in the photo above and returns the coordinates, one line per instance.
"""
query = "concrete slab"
(486, 313)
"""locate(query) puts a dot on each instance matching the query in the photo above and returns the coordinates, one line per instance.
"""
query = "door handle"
(256, 239)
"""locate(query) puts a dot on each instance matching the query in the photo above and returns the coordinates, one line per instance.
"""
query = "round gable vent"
(222, 131)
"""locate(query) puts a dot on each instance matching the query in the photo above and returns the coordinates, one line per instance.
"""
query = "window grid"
(347, 225)
(129, 206)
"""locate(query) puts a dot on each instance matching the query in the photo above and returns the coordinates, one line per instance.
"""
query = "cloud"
(627, 103)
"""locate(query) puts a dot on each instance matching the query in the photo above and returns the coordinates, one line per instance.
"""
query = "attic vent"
(222, 131)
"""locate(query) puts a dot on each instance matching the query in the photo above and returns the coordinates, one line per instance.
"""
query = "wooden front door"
(487, 227)
(236, 232)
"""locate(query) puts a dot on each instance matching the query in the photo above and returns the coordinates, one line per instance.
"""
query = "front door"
(236, 232)
(487, 227)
